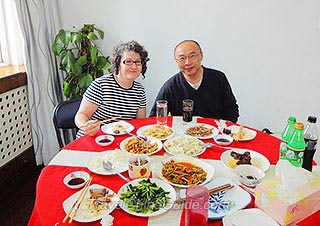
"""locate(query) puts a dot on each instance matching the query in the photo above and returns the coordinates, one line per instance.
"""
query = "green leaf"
(85, 81)
(76, 38)
(92, 36)
(56, 48)
(66, 89)
(82, 60)
(107, 66)
(60, 36)
(77, 69)
(100, 32)
(68, 61)
(101, 61)
(93, 54)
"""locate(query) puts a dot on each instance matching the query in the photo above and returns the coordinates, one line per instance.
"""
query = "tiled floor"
(17, 197)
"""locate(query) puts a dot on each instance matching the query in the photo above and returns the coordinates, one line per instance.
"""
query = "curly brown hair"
(134, 46)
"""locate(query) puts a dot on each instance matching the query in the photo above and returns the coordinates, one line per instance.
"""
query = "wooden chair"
(63, 120)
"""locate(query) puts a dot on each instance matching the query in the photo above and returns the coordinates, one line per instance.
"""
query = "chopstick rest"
(75, 207)
(212, 191)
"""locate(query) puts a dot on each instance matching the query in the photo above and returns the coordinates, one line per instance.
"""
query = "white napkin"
(291, 177)
(221, 124)
(107, 220)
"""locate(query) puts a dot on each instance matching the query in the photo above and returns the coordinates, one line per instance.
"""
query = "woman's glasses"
(131, 62)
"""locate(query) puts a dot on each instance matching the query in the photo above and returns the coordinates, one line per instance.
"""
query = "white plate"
(251, 133)
(84, 214)
(184, 145)
(224, 203)
(140, 131)
(257, 159)
(215, 131)
(122, 126)
(209, 169)
(167, 187)
(151, 139)
(249, 217)
(119, 158)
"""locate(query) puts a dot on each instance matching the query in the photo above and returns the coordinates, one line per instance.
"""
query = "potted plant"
(80, 58)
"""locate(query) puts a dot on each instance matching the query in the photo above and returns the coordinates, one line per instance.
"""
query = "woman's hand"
(91, 127)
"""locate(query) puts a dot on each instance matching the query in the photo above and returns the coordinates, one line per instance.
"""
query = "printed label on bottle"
(295, 156)
(283, 149)
(311, 144)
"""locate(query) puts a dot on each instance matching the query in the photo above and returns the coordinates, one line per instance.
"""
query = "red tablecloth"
(51, 192)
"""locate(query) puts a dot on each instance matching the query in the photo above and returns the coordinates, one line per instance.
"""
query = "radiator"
(15, 129)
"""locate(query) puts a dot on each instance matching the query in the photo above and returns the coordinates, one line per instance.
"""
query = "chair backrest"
(63, 120)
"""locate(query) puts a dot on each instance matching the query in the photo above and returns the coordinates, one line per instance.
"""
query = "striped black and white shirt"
(113, 100)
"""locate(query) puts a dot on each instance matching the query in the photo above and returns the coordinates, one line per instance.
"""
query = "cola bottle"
(311, 139)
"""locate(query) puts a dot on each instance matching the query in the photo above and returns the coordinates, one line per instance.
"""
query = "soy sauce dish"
(76, 179)
(104, 140)
(249, 175)
(223, 139)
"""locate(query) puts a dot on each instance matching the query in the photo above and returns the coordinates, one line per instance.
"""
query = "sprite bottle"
(296, 146)
(286, 135)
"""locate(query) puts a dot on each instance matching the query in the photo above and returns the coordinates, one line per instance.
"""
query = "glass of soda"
(187, 108)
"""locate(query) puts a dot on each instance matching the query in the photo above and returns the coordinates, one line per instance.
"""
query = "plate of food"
(134, 145)
(98, 202)
(224, 202)
(117, 157)
(161, 132)
(201, 131)
(159, 197)
(184, 145)
(239, 133)
(117, 128)
(184, 171)
(233, 157)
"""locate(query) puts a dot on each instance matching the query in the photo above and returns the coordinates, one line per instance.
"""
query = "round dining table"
(51, 192)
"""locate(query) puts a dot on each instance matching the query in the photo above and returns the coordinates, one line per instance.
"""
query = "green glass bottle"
(286, 135)
(296, 146)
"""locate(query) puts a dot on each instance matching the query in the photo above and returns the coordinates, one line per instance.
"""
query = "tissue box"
(288, 206)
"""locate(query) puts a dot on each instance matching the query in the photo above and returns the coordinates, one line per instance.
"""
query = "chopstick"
(223, 187)
(102, 121)
(110, 119)
(75, 207)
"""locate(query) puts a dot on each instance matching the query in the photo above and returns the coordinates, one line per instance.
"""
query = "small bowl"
(104, 140)
(249, 175)
(223, 139)
(76, 179)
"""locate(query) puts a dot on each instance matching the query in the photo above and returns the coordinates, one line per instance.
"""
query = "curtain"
(10, 35)
(39, 22)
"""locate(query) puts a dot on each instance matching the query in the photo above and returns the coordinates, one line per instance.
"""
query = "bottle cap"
(312, 119)
(292, 119)
(299, 125)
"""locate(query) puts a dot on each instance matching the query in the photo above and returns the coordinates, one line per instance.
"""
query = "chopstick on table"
(223, 187)
(75, 207)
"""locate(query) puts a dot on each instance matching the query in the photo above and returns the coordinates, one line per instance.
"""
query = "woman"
(116, 94)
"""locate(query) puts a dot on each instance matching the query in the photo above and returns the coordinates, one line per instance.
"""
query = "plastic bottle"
(296, 146)
(286, 135)
(310, 138)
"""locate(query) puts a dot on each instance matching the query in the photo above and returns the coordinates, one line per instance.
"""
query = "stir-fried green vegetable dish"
(146, 197)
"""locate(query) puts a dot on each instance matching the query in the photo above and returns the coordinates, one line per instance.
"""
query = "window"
(11, 48)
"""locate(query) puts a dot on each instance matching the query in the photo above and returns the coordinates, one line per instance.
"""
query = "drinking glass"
(197, 206)
(162, 111)
(187, 108)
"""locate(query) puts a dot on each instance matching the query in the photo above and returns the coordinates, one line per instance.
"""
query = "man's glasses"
(192, 56)
(131, 62)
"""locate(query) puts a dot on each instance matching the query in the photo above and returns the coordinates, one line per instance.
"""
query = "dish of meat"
(231, 158)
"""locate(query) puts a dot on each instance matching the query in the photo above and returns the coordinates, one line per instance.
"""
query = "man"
(208, 88)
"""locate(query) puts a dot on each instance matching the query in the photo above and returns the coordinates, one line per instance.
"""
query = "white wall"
(270, 49)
